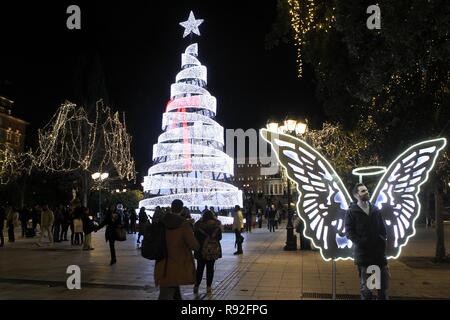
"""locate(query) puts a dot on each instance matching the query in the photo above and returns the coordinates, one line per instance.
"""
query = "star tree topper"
(191, 25)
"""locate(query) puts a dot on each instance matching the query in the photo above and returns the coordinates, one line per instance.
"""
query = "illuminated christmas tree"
(188, 159)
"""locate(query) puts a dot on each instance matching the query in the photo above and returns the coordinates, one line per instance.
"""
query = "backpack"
(211, 249)
(154, 244)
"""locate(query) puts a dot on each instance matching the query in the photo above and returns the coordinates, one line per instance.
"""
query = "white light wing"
(396, 194)
(323, 199)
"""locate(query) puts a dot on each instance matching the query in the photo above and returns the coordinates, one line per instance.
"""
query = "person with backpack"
(177, 266)
(208, 233)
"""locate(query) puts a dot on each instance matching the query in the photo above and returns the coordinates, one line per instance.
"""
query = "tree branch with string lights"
(14, 164)
(75, 142)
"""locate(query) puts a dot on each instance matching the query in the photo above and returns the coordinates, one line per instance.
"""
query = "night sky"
(135, 48)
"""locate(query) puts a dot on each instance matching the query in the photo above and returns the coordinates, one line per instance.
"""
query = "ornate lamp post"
(292, 127)
(99, 177)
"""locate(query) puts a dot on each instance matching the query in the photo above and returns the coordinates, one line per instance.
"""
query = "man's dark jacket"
(368, 234)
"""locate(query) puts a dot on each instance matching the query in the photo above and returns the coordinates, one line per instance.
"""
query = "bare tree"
(72, 142)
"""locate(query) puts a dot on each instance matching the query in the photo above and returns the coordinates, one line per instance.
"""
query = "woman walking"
(208, 233)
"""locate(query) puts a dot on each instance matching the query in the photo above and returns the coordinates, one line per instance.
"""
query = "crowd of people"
(183, 236)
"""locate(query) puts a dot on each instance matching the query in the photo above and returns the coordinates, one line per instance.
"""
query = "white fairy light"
(222, 199)
(206, 102)
(189, 160)
(175, 118)
(203, 132)
(212, 164)
(178, 89)
(156, 183)
(172, 149)
(188, 154)
(197, 72)
(188, 59)
(191, 25)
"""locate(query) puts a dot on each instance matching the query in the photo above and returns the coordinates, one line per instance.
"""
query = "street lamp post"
(99, 177)
(290, 126)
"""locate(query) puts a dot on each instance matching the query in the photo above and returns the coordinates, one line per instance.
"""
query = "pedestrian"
(186, 213)
(47, 219)
(65, 224)
(133, 218)
(365, 227)
(113, 222)
(143, 220)
(23, 214)
(78, 225)
(178, 267)
(260, 218)
(88, 228)
(208, 233)
(12, 221)
(238, 225)
(126, 220)
(248, 219)
(279, 216)
(59, 219)
(272, 218)
(36, 217)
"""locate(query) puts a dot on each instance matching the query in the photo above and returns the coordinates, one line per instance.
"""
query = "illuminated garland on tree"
(72, 142)
(13, 164)
(188, 160)
(305, 18)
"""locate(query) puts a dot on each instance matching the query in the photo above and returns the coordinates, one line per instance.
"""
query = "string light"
(304, 19)
(188, 160)
(13, 163)
(71, 141)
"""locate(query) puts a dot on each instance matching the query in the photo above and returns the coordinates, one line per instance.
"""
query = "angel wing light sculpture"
(323, 198)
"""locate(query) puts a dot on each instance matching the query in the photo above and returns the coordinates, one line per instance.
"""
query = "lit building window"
(8, 135)
(17, 137)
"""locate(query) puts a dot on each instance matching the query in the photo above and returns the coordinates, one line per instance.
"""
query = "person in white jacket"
(238, 225)
(47, 219)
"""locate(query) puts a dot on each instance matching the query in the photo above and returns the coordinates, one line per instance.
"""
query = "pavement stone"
(265, 271)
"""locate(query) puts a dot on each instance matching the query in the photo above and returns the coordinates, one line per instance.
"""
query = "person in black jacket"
(207, 226)
(112, 221)
(365, 227)
(143, 220)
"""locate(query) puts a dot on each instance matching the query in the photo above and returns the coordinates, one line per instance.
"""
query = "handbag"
(120, 234)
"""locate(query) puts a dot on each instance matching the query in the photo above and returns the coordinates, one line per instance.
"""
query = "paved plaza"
(265, 271)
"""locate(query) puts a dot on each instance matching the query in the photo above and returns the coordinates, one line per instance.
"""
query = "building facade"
(249, 177)
(12, 129)
(272, 188)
